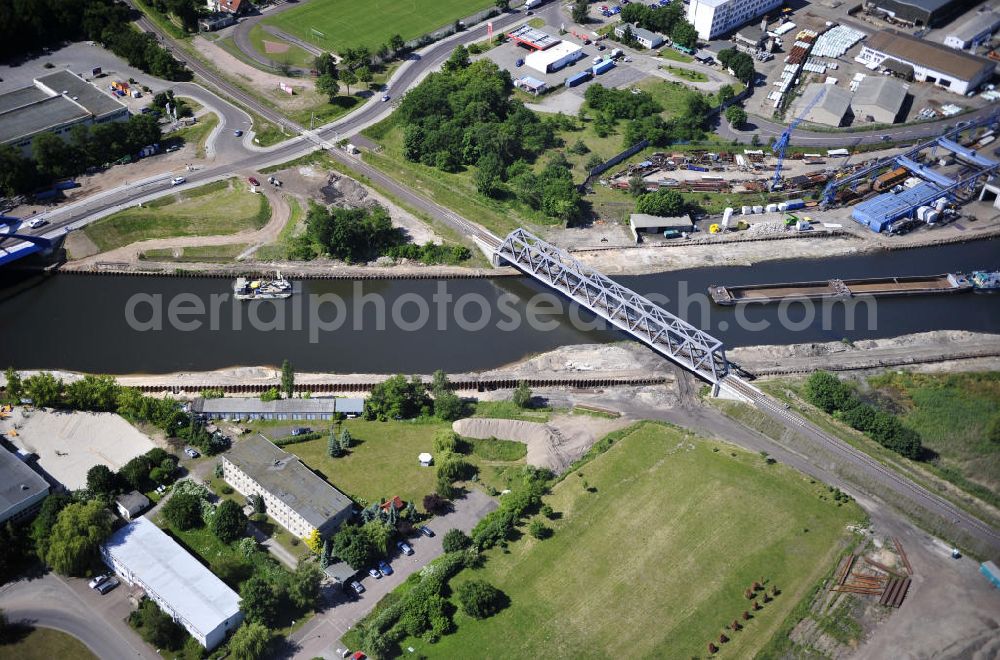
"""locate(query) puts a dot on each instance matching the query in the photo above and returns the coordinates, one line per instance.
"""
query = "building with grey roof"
(833, 109)
(296, 497)
(21, 488)
(977, 28)
(146, 557)
(920, 13)
(55, 104)
(878, 99)
(646, 38)
(254, 408)
(130, 505)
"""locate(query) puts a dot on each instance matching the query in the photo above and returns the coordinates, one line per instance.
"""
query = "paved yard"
(70, 443)
(321, 636)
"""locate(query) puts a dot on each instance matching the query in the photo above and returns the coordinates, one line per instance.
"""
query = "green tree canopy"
(353, 545)
(229, 522)
(665, 203)
(101, 481)
(76, 537)
(250, 641)
(259, 601)
(480, 599)
(183, 510)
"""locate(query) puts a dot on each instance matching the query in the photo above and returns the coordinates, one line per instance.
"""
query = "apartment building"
(714, 18)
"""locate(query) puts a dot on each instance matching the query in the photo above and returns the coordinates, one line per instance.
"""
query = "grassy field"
(294, 56)
(45, 644)
(224, 207)
(348, 23)
(951, 413)
(654, 558)
(687, 74)
(278, 250)
(507, 410)
(198, 254)
(675, 55)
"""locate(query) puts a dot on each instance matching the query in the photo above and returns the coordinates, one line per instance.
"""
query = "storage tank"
(771, 208)
(782, 206)
(758, 208)
(746, 210)
(726, 215)
(940, 204)
(922, 213)
(931, 216)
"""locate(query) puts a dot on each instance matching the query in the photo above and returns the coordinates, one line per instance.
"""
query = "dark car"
(385, 568)
(301, 430)
(357, 588)
(426, 531)
(107, 585)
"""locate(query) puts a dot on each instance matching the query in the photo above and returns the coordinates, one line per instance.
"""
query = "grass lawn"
(224, 207)
(687, 74)
(507, 410)
(197, 134)
(198, 254)
(675, 55)
(294, 56)
(45, 644)
(382, 463)
(655, 557)
(348, 23)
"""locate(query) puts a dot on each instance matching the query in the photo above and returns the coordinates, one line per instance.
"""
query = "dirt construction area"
(554, 445)
(70, 443)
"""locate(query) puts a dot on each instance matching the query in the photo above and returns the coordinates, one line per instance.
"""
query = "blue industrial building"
(880, 212)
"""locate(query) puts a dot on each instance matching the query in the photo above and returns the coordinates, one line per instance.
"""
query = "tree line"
(30, 24)
(54, 158)
(826, 391)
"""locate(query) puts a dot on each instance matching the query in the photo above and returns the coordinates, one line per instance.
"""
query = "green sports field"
(657, 541)
(353, 23)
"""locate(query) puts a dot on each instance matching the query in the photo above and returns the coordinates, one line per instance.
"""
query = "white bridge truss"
(668, 335)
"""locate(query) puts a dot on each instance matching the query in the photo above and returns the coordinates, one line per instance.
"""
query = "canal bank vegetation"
(220, 208)
(737, 520)
(956, 416)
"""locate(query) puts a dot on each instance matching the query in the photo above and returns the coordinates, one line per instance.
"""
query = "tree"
(76, 537)
(41, 526)
(489, 175)
(303, 586)
(13, 386)
(503, 5)
(260, 603)
(352, 544)
(827, 392)
(270, 394)
(397, 398)
(101, 481)
(522, 395)
(157, 627)
(459, 59)
(664, 203)
(448, 406)
(684, 34)
(636, 185)
(725, 93)
(326, 84)
(435, 504)
(250, 641)
(135, 473)
(349, 78)
(44, 389)
(538, 529)
(364, 74)
(396, 43)
(380, 534)
(333, 448)
(736, 116)
(287, 379)
(229, 522)
(183, 510)
(345, 440)
(581, 10)
(314, 541)
(257, 502)
(480, 599)
(455, 540)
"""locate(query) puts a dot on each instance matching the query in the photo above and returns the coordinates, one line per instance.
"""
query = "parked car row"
(384, 569)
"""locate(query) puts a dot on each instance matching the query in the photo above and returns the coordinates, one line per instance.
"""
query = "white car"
(38, 222)
(97, 581)
(177, 180)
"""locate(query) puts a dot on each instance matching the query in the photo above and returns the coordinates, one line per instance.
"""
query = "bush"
(480, 599)
(455, 540)
(229, 522)
(538, 529)
(826, 391)
(435, 504)
(445, 442)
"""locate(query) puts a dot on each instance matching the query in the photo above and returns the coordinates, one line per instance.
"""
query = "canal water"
(154, 325)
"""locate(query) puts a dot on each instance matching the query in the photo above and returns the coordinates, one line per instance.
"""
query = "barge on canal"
(839, 289)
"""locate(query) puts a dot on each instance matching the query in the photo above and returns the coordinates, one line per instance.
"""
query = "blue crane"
(786, 135)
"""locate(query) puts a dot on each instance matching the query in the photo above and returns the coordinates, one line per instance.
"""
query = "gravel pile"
(766, 229)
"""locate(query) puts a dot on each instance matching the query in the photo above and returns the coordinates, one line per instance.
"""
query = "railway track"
(905, 486)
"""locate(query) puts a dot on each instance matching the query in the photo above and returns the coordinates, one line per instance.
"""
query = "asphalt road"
(50, 602)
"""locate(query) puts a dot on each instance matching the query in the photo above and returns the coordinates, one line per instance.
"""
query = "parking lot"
(70, 443)
(321, 636)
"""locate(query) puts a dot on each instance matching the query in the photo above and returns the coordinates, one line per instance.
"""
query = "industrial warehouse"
(925, 61)
(240, 408)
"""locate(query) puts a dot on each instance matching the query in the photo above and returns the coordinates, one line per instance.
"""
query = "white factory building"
(146, 557)
(552, 59)
(974, 30)
(926, 61)
(714, 18)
